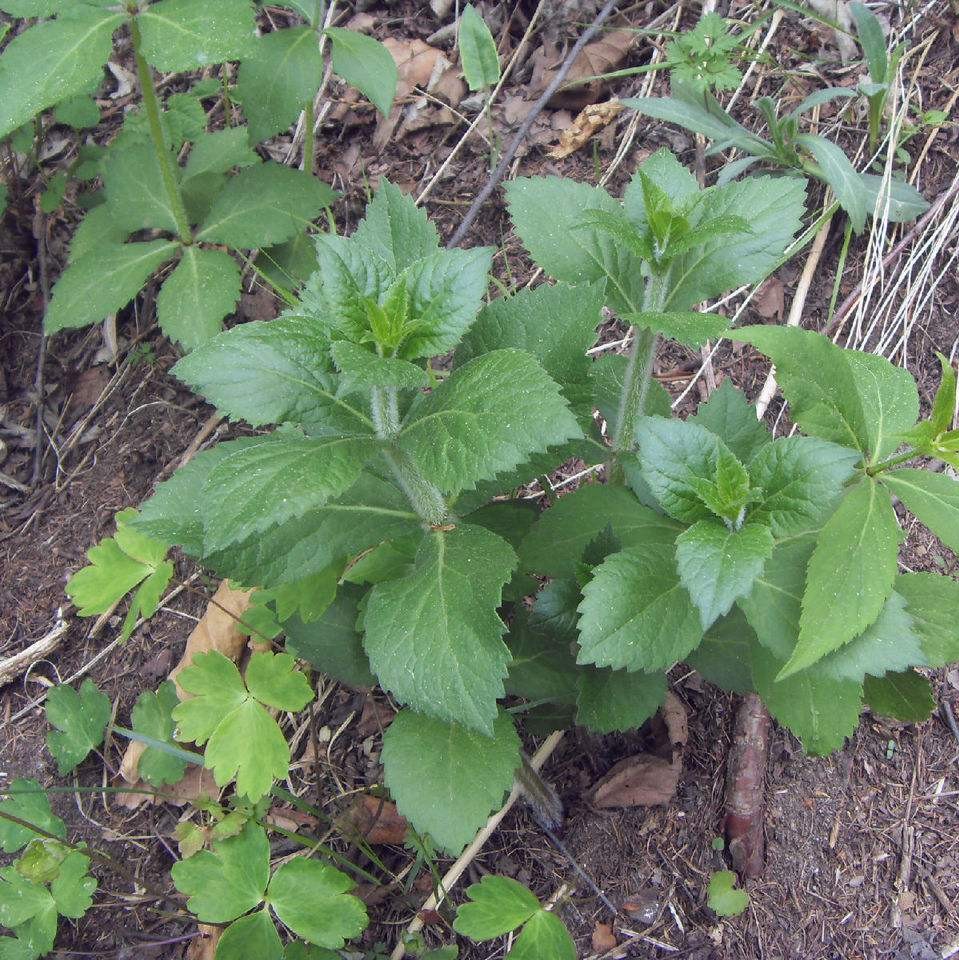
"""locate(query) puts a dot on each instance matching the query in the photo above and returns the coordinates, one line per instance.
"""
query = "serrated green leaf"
(489, 416)
(611, 700)
(801, 480)
(180, 35)
(264, 204)
(332, 643)
(688, 328)
(729, 415)
(52, 61)
(73, 888)
(81, 719)
(478, 55)
(152, 716)
(932, 497)
(542, 666)
(820, 711)
(103, 282)
(21, 899)
(555, 545)
(496, 906)
(228, 881)
(554, 609)
(681, 461)
(889, 644)
(850, 575)
(251, 936)
(219, 152)
(135, 192)
(312, 899)
(718, 566)
(723, 898)
(274, 680)
(547, 213)
(830, 389)
(446, 778)
(544, 937)
(635, 612)
(434, 638)
(724, 657)
(307, 472)
(364, 369)
(841, 176)
(195, 298)
(366, 64)
(932, 601)
(278, 77)
(396, 230)
(27, 800)
(903, 696)
(219, 688)
(273, 373)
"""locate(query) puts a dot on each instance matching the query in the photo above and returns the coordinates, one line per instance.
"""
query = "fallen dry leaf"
(197, 783)
(603, 938)
(601, 56)
(374, 819)
(770, 299)
(640, 781)
(590, 120)
(677, 724)
(644, 905)
(375, 718)
(204, 946)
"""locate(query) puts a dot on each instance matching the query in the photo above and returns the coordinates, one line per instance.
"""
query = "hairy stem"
(891, 462)
(423, 495)
(152, 105)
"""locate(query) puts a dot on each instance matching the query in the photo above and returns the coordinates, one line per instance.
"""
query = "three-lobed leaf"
(81, 720)
(27, 800)
(153, 716)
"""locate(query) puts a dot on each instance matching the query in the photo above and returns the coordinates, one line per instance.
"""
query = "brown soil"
(863, 847)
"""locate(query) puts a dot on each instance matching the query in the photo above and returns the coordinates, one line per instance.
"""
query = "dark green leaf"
(366, 64)
(478, 55)
(903, 696)
(932, 497)
(932, 601)
(729, 415)
(611, 700)
(81, 719)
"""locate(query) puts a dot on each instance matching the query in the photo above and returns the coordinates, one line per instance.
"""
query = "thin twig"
(507, 158)
(40, 235)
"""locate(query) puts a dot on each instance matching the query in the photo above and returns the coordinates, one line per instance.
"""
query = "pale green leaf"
(905, 202)
(53, 61)
(313, 900)
(688, 328)
(195, 298)
(104, 281)
(729, 415)
(274, 680)
(555, 545)
(718, 566)
(841, 176)
(543, 938)
(932, 601)
(98, 228)
(820, 711)
(547, 213)
(801, 481)
(366, 64)
(73, 888)
(251, 936)
(364, 369)
(152, 716)
(264, 204)
(27, 800)
(180, 35)
(273, 373)
(219, 690)
(136, 195)
(932, 497)
(21, 899)
(81, 720)
(489, 416)
(226, 882)
(496, 906)
(478, 55)
(219, 152)
(636, 614)
(445, 778)
(278, 78)
(32, 8)
(718, 125)
(306, 472)
(434, 638)
(850, 575)
(396, 230)
(723, 897)
(611, 700)
(905, 696)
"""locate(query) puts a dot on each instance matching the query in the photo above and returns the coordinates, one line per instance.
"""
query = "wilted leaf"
(770, 299)
(640, 781)
(591, 120)
(375, 819)
(601, 56)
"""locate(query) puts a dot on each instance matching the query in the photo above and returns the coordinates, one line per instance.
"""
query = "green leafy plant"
(881, 64)
(723, 897)
(477, 48)
(789, 149)
(703, 57)
(223, 196)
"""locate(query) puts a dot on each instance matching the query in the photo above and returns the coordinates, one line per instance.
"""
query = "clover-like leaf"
(27, 800)
(152, 716)
(81, 719)
(496, 906)
(724, 898)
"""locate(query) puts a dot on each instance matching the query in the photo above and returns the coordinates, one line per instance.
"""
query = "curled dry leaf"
(640, 781)
(374, 819)
(603, 938)
(677, 724)
(591, 119)
(197, 783)
(601, 56)
(770, 299)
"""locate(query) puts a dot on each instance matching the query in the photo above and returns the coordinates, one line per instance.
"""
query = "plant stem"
(638, 375)
(386, 415)
(891, 462)
(152, 105)
(423, 495)
(309, 138)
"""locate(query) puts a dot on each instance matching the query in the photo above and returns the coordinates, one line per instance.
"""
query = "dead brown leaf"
(375, 819)
(601, 56)
(376, 716)
(603, 938)
(770, 299)
(640, 781)
(197, 783)
(590, 120)
(677, 724)
(204, 946)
